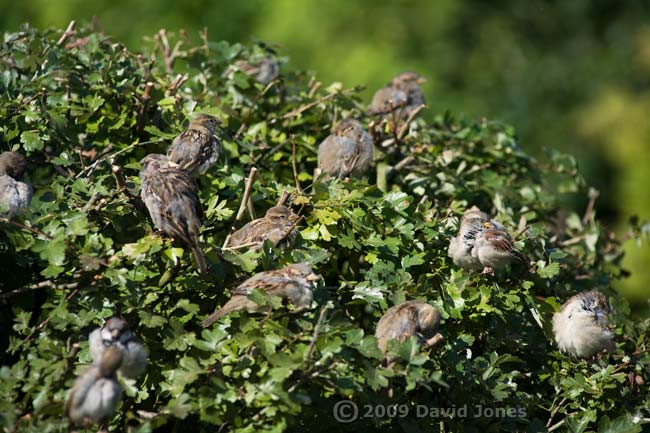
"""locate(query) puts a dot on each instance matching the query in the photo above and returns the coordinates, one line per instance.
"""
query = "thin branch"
(283, 198)
(247, 193)
(67, 33)
(593, 196)
(406, 124)
(314, 337)
(243, 204)
(293, 164)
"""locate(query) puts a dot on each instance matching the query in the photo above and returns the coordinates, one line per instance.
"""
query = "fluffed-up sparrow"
(14, 194)
(197, 148)
(293, 282)
(410, 318)
(348, 150)
(171, 196)
(402, 94)
(277, 225)
(96, 393)
(116, 333)
(461, 246)
(580, 327)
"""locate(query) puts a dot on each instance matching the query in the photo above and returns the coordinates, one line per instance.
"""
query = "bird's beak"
(421, 80)
(313, 277)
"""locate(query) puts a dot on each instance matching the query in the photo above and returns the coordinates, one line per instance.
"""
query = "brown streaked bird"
(96, 393)
(495, 249)
(263, 70)
(116, 333)
(197, 148)
(348, 150)
(580, 327)
(171, 196)
(402, 94)
(410, 318)
(293, 282)
(15, 195)
(277, 225)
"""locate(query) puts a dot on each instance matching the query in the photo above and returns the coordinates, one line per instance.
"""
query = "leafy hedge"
(85, 110)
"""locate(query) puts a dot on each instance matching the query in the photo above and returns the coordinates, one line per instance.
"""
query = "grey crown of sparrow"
(171, 197)
(348, 150)
(278, 226)
(196, 149)
(15, 195)
(293, 282)
(580, 327)
(96, 393)
(410, 318)
(116, 333)
(403, 93)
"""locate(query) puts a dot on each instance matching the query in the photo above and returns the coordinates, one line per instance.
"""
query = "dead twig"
(314, 337)
(243, 204)
(69, 31)
(406, 124)
(293, 164)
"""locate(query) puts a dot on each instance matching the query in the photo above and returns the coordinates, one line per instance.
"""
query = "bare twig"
(314, 337)
(283, 198)
(67, 33)
(28, 228)
(593, 196)
(554, 411)
(406, 124)
(247, 193)
(556, 426)
(293, 164)
(244, 203)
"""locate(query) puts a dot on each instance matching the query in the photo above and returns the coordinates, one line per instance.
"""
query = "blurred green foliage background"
(568, 75)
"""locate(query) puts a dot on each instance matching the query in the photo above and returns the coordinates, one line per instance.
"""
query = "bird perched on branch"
(96, 393)
(580, 327)
(14, 194)
(482, 243)
(410, 318)
(277, 225)
(403, 95)
(461, 246)
(197, 148)
(171, 196)
(495, 249)
(263, 70)
(293, 282)
(346, 151)
(116, 333)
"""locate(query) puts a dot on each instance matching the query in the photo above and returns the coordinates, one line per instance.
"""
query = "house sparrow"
(461, 246)
(116, 333)
(171, 196)
(347, 150)
(264, 70)
(14, 194)
(293, 282)
(402, 93)
(277, 225)
(495, 249)
(96, 393)
(197, 148)
(410, 318)
(580, 327)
